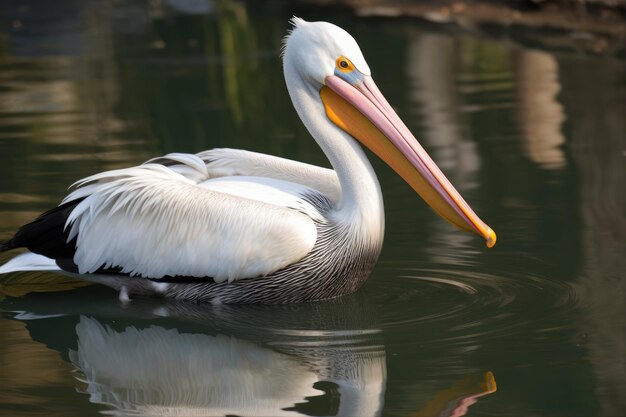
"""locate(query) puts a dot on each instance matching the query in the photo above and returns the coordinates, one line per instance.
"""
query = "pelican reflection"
(154, 358)
(163, 372)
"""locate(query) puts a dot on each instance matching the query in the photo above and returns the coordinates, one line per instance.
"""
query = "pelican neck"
(361, 197)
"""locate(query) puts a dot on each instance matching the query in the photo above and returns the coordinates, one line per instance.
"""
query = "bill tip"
(491, 238)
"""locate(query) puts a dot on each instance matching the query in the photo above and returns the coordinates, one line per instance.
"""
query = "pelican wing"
(237, 162)
(155, 220)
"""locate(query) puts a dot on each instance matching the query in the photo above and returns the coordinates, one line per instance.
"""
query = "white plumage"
(154, 221)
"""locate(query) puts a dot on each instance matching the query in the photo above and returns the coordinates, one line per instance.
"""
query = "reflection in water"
(541, 115)
(455, 401)
(186, 359)
(597, 148)
(162, 372)
(27, 367)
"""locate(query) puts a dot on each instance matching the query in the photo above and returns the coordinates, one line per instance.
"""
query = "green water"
(534, 140)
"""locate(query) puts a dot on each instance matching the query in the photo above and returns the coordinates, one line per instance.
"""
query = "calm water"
(533, 139)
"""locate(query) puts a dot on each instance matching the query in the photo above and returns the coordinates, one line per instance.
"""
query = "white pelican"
(230, 226)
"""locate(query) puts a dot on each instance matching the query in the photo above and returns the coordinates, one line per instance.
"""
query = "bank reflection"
(597, 152)
(540, 113)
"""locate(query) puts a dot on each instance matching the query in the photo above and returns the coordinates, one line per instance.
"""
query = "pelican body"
(231, 226)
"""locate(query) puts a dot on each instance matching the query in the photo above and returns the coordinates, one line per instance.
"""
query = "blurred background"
(521, 103)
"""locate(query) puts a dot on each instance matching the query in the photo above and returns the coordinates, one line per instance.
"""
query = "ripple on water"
(458, 306)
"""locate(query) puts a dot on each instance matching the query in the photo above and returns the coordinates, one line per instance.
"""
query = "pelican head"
(330, 61)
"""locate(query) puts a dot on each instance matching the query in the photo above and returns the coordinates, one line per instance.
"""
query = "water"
(533, 138)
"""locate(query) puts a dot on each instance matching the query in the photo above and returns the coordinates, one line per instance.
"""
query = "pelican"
(231, 226)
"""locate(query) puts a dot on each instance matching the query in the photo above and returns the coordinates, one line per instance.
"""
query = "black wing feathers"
(47, 235)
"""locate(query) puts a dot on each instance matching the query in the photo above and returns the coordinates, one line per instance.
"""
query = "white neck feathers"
(361, 203)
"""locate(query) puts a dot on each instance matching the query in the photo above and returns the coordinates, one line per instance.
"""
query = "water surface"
(534, 140)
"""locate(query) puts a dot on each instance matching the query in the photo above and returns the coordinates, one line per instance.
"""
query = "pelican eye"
(344, 64)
